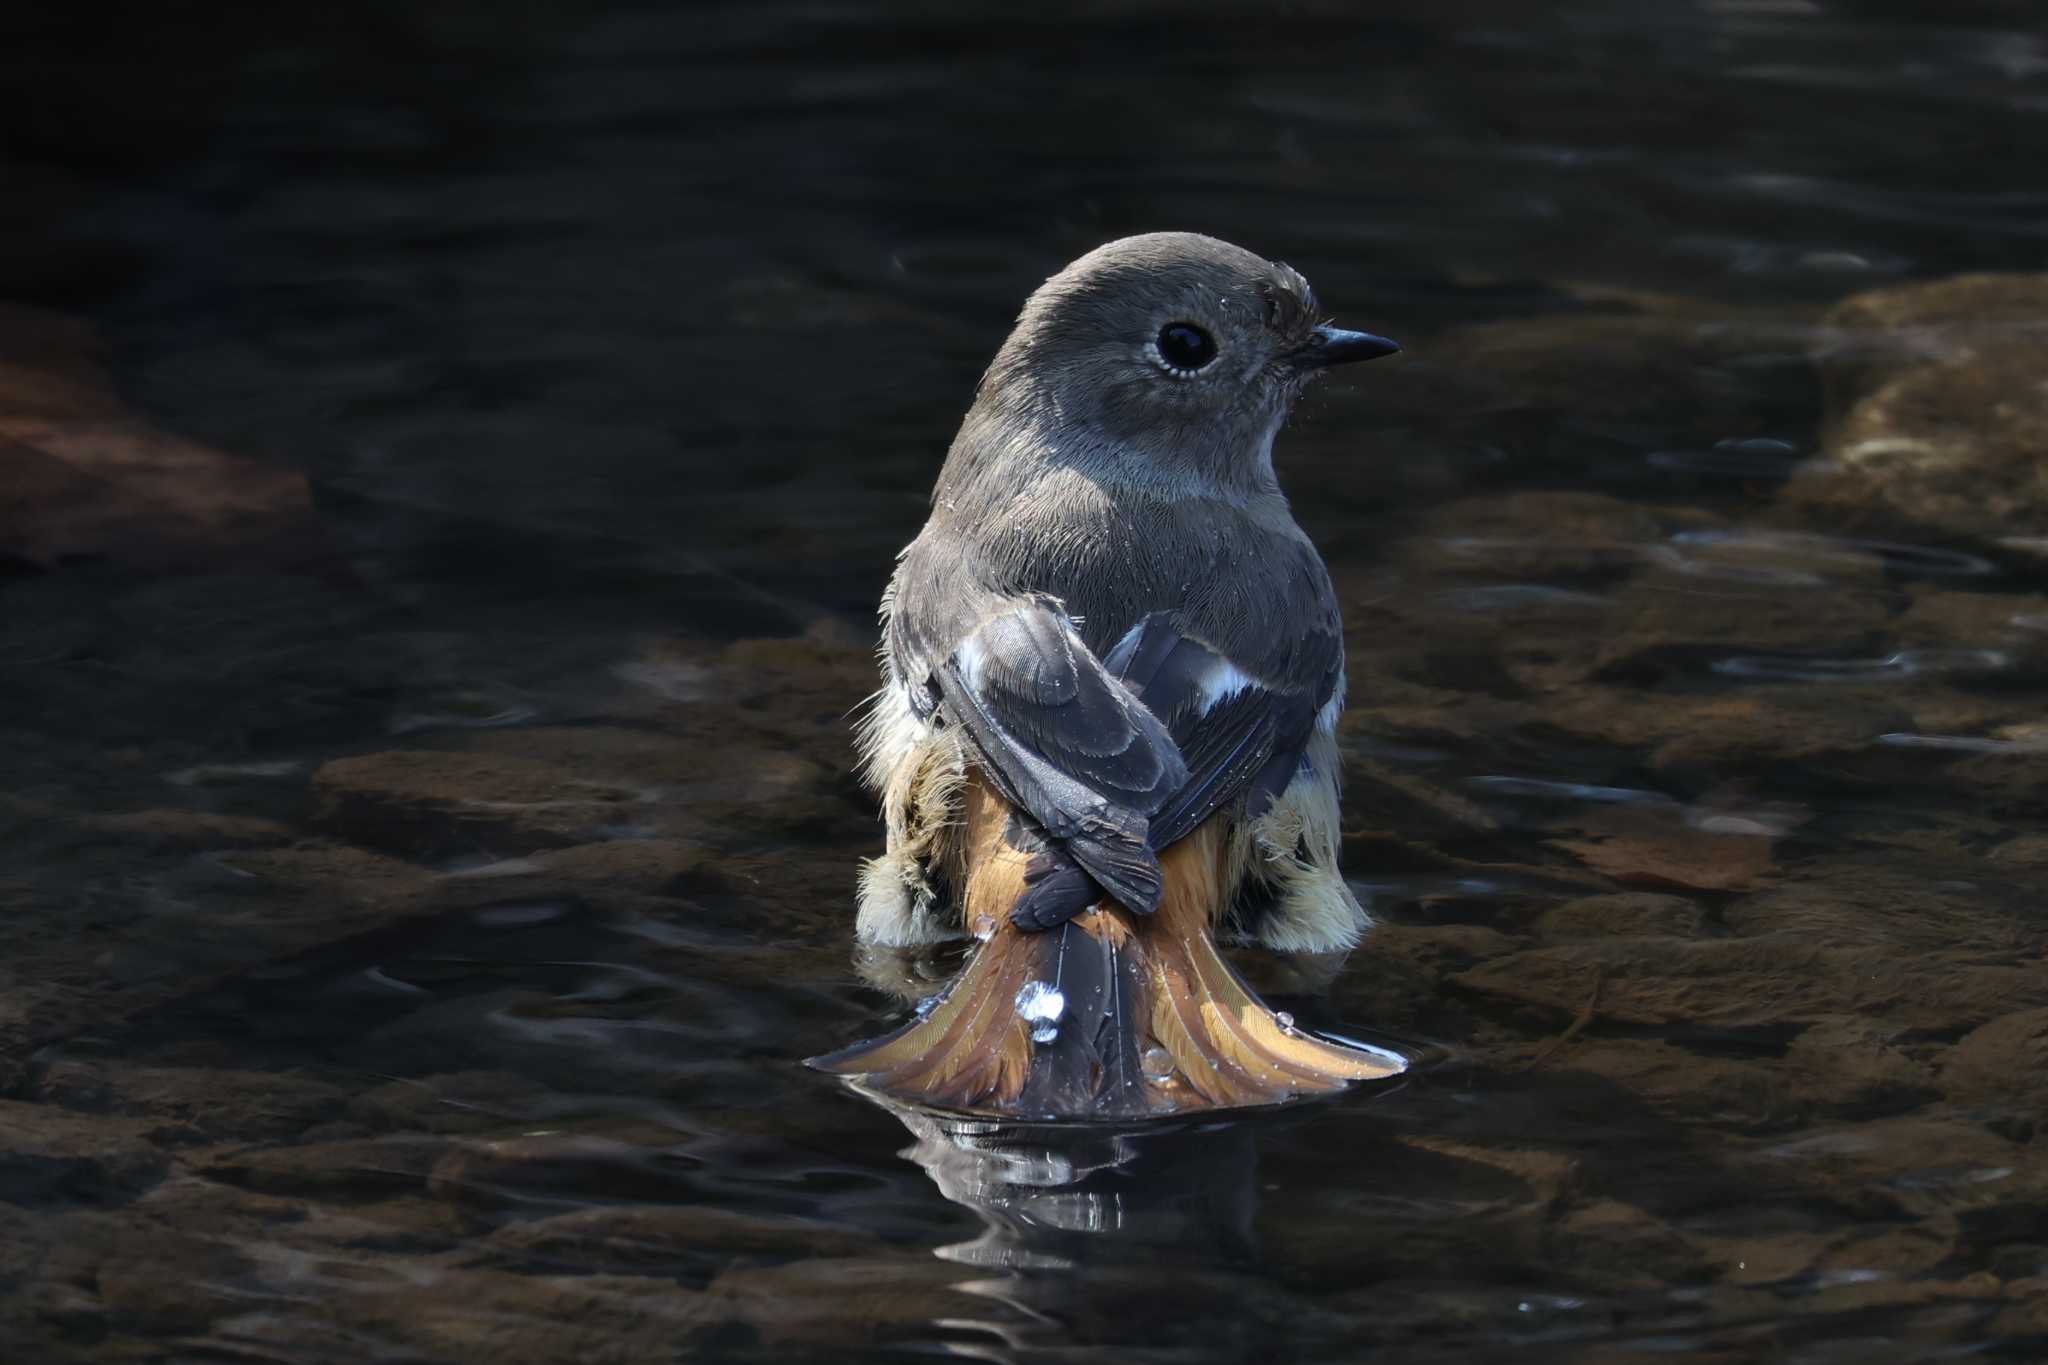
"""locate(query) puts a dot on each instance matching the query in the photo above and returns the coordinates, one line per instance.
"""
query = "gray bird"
(1112, 667)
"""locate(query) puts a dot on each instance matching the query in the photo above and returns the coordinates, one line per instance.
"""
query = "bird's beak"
(1329, 346)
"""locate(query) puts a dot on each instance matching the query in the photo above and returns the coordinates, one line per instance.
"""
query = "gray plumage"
(1111, 612)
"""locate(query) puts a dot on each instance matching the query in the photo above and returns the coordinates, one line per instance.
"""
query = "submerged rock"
(1762, 983)
(83, 475)
(357, 1169)
(424, 800)
(631, 1237)
(1937, 407)
(1625, 915)
(1998, 1067)
(219, 1103)
(1860, 1065)
(1619, 362)
(50, 1156)
(1650, 848)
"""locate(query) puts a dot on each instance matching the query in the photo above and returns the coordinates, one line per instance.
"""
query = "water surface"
(430, 821)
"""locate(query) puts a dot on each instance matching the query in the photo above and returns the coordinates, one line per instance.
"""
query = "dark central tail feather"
(1235, 748)
(1109, 1016)
(1055, 887)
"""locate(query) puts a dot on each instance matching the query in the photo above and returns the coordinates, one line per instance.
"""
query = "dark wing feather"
(1066, 743)
(1033, 678)
(1079, 745)
(1226, 749)
(1251, 739)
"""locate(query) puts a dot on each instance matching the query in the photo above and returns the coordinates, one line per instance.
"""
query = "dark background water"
(435, 592)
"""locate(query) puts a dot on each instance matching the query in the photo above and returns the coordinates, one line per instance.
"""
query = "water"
(1040, 1005)
(429, 842)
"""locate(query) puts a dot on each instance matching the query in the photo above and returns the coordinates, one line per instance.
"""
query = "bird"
(1112, 666)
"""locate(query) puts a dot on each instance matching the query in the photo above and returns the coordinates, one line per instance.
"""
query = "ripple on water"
(1386, 751)
(481, 867)
(1766, 821)
(465, 711)
(221, 774)
(1906, 663)
(1962, 744)
(1516, 596)
(519, 914)
(1568, 791)
(1757, 457)
(1753, 256)
(1822, 551)
(1669, 557)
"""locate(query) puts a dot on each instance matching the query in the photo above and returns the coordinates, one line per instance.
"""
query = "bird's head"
(1173, 356)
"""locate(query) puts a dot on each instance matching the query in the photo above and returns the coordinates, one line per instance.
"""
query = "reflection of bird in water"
(1072, 1213)
(1107, 727)
(1053, 1196)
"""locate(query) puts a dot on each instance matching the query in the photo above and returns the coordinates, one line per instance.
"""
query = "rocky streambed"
(424, 975)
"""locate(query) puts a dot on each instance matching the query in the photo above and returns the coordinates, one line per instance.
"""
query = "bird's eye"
(1185, 347)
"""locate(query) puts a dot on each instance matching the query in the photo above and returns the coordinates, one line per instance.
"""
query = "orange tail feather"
(1112, 1015)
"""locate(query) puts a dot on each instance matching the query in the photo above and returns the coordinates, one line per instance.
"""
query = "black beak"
(1335, 346)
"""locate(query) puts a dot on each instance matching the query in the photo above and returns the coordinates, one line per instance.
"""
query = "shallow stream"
(427, 827)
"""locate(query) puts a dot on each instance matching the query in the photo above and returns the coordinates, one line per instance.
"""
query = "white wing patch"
(971, 657)
(1223, 680)
(1326, 719)
(1120, 652)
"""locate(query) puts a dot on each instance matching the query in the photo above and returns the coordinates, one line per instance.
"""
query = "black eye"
(1186, 346)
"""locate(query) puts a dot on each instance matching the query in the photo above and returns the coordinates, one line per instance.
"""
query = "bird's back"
(1243, 579)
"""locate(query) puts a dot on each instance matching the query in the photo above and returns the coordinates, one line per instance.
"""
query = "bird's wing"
(1121, 756)
(1235, 733)
(1066, 743)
